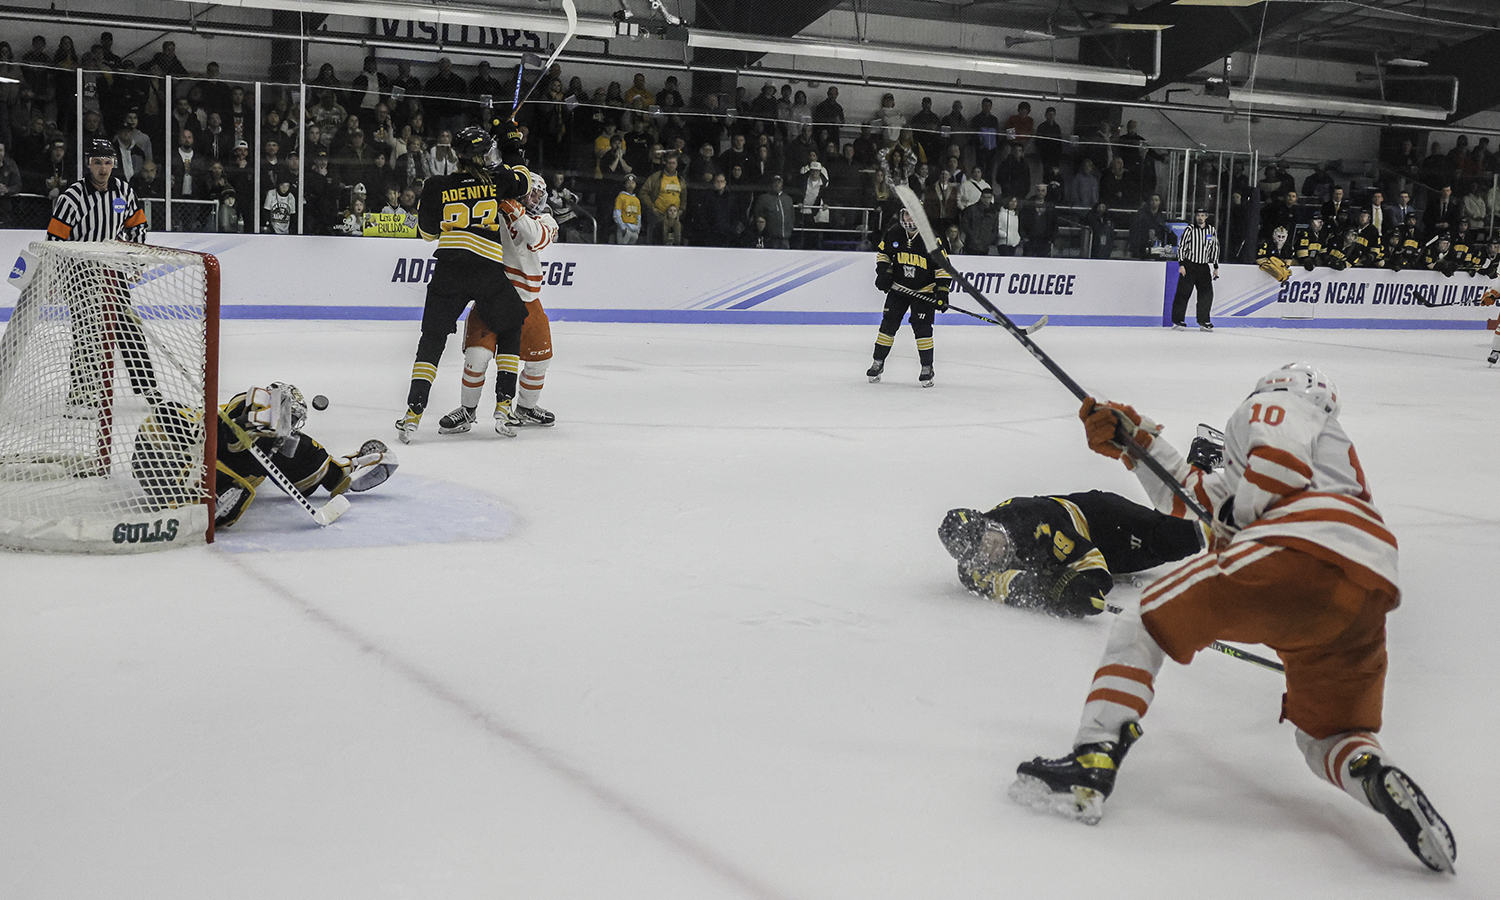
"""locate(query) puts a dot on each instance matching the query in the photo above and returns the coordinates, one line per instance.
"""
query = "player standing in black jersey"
(912, 279)
(461, 212)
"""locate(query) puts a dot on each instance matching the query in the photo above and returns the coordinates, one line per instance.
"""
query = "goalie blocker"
(271, 419)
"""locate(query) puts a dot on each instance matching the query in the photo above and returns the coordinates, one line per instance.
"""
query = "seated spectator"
(955, 240)
(352, 222)
(145, 183)
(1148, 229)
(669, 229)
(392, 205)
(758, 235)
(1101, 232)
(627, 213)
(980, 224)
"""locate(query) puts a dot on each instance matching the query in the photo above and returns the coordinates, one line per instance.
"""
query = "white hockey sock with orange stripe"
(1329, 758)
(476, 365)
(1125, 683)
(533, 377)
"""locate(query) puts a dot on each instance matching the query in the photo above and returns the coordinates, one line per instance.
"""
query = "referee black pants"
(1198, 276)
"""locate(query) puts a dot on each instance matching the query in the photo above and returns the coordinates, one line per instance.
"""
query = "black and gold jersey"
(308, 465)
(462, 211)
(911, 270)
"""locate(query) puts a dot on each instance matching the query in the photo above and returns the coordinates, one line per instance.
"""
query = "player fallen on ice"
(1060, 553)
(528, 230)
(1302, 562)
(272, 418)
(912, 280)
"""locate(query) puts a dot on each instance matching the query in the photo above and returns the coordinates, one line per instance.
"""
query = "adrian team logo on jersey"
(118, 204)
(146, 532)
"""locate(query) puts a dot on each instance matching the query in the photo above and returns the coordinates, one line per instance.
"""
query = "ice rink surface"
(700, 641)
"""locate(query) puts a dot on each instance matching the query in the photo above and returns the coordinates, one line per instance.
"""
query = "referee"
(102, 207)
(1197, 250)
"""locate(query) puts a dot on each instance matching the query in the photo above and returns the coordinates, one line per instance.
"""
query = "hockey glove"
(1076, 603)
(883, 280)
(940, 300)
(1489, 298)
(1107, 425)
(370, 466)
(1308, 264)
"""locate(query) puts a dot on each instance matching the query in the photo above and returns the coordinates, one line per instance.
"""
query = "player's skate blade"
(534, 415)
(1407, 808)
(926, 376)
(457, 422)
(1081, 804)
(873, 373)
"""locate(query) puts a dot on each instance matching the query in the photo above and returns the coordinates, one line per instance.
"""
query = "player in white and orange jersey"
(1302, 563)
(527, 230)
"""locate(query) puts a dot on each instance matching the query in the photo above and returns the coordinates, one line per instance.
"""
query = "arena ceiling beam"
(1472, 62)
(1194, 37)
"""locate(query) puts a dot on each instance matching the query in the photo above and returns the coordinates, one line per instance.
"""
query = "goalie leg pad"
(236, 493)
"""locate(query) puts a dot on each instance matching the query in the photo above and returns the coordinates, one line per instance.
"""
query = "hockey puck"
(320, 402)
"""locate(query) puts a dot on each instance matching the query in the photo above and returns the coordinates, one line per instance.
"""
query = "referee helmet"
(100, 147)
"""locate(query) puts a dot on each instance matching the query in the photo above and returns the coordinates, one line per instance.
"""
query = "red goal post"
(109, 398)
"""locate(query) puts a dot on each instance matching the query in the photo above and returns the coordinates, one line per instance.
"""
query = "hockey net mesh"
(103, 372)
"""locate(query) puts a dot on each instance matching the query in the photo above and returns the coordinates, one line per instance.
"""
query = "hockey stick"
(571, 12)
(913, 206)
(325, 516)
(1225, 649)
(1033, 328)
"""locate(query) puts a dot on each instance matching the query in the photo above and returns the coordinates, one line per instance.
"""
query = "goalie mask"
(292, 402)
(973, 539)
(1279, 235)
(1305, 380)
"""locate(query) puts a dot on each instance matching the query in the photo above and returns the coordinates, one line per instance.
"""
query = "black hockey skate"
(875, 369)
(534, 415)
(1074, 786)
(925, 376)
(457, 422)
(1494, 356)
(1397, 797)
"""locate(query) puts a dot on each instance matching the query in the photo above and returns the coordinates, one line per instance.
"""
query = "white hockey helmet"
(1305, 380)
(536, 198)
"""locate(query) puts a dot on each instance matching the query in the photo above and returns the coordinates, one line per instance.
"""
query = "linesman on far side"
(1197, 252)
(908, 273)
(102, 207)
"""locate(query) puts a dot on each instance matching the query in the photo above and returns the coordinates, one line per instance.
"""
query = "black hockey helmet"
(100, 147)
(471, 142)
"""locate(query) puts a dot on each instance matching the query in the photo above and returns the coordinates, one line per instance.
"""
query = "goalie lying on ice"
(272, 417)
(1060, 553)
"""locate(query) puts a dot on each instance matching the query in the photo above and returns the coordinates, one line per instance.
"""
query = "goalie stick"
(326, 515)
(913, 206)
(571, 11)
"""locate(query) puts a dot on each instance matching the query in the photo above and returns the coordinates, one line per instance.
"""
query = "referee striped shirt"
(1198, 245)
(84, 213)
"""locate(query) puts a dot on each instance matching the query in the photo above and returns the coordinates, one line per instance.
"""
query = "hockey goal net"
(108, 398)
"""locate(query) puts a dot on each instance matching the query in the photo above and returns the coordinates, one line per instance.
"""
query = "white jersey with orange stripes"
(524, 236)
(1295, 481)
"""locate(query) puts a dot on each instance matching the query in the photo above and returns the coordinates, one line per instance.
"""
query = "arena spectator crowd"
(646, 164)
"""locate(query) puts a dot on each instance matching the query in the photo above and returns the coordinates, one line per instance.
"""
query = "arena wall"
(275, 277)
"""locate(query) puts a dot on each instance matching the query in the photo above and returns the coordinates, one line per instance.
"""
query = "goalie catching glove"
(1276, 267)
(370, 466)
(1105, 424)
